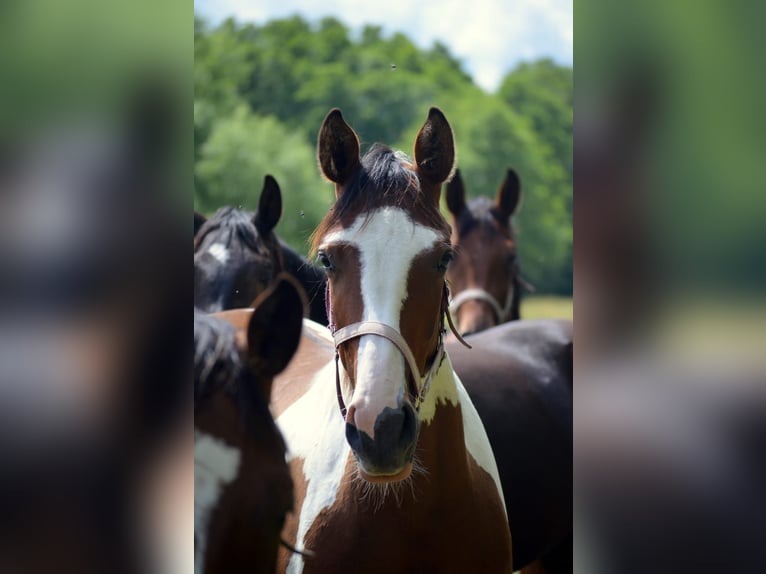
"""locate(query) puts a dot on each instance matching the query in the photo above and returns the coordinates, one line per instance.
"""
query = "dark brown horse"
(519, 376)
(243, 488)
(484, 277)
(237, 254)
(392, 468)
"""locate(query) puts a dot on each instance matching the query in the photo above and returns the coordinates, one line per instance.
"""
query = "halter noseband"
(502, 313)
(360, 328)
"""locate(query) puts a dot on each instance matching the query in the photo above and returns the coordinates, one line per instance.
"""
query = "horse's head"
(385, 247)
(237, 254)
(484, 276)
(243, 487)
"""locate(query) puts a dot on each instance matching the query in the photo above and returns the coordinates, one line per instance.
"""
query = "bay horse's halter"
(476, 294)
(360, 328)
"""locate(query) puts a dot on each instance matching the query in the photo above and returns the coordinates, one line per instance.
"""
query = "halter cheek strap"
(355, 330)
(502, 313)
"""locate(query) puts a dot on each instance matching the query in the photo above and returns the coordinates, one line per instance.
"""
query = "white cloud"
(490, 36)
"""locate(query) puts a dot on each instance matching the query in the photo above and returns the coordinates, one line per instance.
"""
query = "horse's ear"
(269, 206)
(456, 195)
(435, 152)
(337, 149)
(274, 330)
(199, 221)
(508, 194)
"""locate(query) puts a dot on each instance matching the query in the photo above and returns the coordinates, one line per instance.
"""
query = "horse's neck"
(313, 280)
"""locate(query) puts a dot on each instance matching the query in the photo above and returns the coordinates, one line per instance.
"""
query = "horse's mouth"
(403, 474)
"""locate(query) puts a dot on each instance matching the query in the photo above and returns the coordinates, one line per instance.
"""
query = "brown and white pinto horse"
(242, 488)
(392, 467)
(484, 277)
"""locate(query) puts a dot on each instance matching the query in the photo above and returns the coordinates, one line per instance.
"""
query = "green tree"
(543, 92)
(241, 149)
(261, 92)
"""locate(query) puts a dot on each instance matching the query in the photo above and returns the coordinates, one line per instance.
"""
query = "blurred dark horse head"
(236, 253)
(93, 354)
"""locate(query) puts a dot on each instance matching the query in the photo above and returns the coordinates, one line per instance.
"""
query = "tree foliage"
(261, 92)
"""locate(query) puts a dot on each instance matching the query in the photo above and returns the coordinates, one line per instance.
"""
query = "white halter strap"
(476, 294)
(382, 330)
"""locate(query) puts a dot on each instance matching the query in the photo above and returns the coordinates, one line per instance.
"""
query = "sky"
(489, 36)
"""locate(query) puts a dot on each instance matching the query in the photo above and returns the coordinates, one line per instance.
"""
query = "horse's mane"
(216, 359)
(219, 366)
(386, 178)
(233, 222)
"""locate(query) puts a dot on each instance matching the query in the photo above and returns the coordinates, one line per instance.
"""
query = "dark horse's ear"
(434, 152)
(456, 195)
(274, 330)
(269, 206)
(199, 221)
(337, 150)
(508, 194)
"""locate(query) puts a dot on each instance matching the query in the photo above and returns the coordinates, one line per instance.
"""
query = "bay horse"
(243, 488)
(392, 468)
(519, 377)
(237, 254)
(484, 277)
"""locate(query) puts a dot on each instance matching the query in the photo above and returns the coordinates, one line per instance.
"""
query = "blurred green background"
(261, 92)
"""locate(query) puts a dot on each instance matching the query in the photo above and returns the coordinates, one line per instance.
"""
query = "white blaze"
(219, 252)
(388, 242)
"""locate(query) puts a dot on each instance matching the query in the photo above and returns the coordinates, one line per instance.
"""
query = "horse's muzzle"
(393, 445)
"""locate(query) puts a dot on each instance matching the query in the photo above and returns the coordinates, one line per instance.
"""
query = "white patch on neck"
(219, 252)
(315, 432)
(476, 439)
(216, 464)
(388, 241)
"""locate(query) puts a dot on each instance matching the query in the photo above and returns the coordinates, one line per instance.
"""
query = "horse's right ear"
(199, 221)
(337, 149)
(508, 194)
(456, 195)
(274, 330)
(269, 206)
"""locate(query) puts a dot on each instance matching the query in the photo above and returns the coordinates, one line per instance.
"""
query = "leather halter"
(355, 330)
(502, 313)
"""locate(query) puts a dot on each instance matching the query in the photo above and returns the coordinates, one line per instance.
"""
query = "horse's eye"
(324, 261)
(445, 261)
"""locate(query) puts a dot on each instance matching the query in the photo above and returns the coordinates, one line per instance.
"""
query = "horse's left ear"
(435, 152)
(274, 330)
(508, 194)
(456, 195)
(269, 206)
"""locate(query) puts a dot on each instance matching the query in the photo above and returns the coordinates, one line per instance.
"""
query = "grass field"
(546, 307)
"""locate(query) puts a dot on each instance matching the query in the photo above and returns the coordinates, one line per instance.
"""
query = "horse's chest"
(415, 536)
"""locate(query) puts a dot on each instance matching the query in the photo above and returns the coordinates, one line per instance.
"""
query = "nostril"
(350, 414)
(353, 436)
(409, 425)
